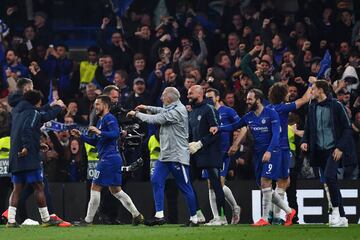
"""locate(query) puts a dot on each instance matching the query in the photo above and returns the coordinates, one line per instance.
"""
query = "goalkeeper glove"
(195, 146)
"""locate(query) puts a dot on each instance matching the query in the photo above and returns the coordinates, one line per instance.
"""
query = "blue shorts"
(268, 169)
(31, 176)
(285, 160)
(108, 173)
(225, 167)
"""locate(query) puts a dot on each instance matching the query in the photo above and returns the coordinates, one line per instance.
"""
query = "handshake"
(195, 146)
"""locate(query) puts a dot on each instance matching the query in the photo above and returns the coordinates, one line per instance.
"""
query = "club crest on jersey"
(263, 121)
(199, 117)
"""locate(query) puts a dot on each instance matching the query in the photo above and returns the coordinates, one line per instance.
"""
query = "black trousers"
(329, 167)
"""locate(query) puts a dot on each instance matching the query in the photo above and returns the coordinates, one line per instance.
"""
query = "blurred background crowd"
(75, 49)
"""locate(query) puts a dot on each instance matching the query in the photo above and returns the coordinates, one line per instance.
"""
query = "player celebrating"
(108, 170)
(277, 96)
(229, 119)
(264, 125)
(25, 160)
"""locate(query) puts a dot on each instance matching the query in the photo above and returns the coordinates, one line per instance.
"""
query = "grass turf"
(174, 232)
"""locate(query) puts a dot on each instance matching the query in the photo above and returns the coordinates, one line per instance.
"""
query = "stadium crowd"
(230, 45)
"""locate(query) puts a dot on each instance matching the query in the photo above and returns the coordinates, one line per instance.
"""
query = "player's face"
(211, 95)
(251, 101)
(99, 107)
(315, 92)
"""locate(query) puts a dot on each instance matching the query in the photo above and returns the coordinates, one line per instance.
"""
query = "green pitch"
(174, 232)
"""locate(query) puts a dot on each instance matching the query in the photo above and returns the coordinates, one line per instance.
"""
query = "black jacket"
(25, 133)
(201, 118)
(341, 128)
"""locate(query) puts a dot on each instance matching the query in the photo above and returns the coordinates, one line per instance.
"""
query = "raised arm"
(275, 129)
(162, 117)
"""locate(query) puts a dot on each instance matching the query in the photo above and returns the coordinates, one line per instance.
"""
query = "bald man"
(204, 146)
(174, 152)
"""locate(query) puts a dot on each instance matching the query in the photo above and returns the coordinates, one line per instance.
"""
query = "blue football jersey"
(106, 142)
(265, 129)
(229, 121)
(283, 109)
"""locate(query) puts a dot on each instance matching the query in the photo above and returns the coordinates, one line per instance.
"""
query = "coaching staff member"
(327, 140)
(204, 146)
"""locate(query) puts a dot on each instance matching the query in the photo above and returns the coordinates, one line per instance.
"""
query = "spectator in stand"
(60, 155)
(77, 166)
(72, 111)
(62, 68)
(118, 48)
(344, 27)
(5, 119)
(86, 102)
(223, 71)
(42, 27)
(188, 83)
(40, 79)
(13, 67)
(85, 72)
(142, 41)
(139, 64)
(188, 57)
(121, 80)
(141, 95)
(303, 61)
(104, 74)
(278, 49)
(233, 42)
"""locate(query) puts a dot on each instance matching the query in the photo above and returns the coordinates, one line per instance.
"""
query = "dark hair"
(71, 101)
(139, 56)
(93, 49)
(219, 56)
(324, 85)
(108, 56)
(29, 25)
(33, 97)
(22, 82)
(258, 93)
(11, 50)
(105, 99)
(64, 46)
(234, 34)
(277, 93)
(122, 73)
(229, 92)
(107, 90)
(215, 91)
